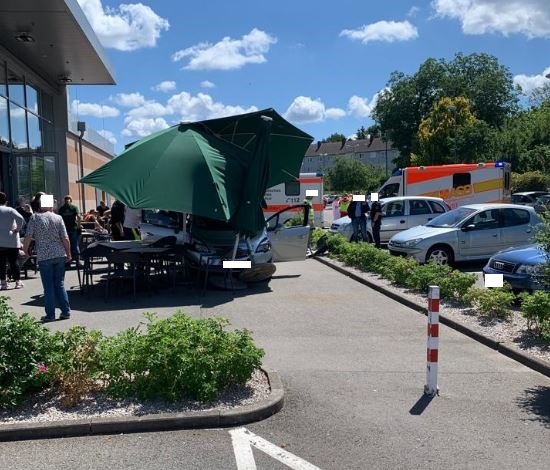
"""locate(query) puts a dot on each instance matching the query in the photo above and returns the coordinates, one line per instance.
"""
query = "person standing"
(102, 208)
(71, 217)
(308, 201)
(344, 204)
(117, 220)
(376, 221)
(53, 249)
(336, 208)
(357, 212)
(11, 223)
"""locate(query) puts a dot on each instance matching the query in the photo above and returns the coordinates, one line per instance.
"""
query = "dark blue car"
(518, 266)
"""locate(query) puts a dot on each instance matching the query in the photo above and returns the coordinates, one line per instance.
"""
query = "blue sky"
(319, 64)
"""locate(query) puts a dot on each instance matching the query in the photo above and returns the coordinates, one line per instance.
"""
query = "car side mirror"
(467, 228)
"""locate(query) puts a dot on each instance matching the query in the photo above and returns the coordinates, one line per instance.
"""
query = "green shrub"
(178, 355)
(536, 308)
(23, 351)
(316, 235)
(399, 270)
(425, 275)
(455, 284)
(336, 243)
(491, 302)
(74, 364)
(528, 181)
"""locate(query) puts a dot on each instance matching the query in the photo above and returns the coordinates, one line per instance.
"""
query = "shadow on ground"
(536, 401)
(156, 297)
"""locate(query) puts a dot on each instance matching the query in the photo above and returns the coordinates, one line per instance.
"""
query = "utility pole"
(81, 126)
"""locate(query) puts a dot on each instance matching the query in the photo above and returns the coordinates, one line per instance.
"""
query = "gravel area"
(46, 406)
(512, 330)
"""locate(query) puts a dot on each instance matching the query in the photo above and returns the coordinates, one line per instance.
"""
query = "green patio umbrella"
(286, 147)
(182, 169)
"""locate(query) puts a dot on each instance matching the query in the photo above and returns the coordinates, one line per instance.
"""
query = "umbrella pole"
(237, 237)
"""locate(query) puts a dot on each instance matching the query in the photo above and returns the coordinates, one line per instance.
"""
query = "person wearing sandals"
(11, 223)
(53, 250)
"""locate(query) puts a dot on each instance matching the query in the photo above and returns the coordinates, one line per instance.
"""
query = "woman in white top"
(11, 223)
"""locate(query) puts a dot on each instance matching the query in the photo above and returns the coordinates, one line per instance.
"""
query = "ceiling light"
(24, 37)
(64, 79)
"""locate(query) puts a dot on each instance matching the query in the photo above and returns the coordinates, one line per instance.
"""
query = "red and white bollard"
(431, 387)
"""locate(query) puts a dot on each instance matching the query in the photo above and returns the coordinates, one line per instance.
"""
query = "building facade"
(44, 47)
(321, 156)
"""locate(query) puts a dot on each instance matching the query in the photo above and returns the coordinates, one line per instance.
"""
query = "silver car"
(471, 232)
(399, 213)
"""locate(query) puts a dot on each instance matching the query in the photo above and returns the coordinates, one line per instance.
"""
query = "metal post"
(81, 126)
(431, 387)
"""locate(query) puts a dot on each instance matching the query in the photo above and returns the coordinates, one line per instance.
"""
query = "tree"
(361, 134)
(353, 175)
(530, 181)
(336, 137)
(410, 98)
(540, 95)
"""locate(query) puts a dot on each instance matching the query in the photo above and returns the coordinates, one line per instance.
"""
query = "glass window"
(37, 174)
(436, 207)
(461, 179)
(16, 88)
(292, 188)
(389, 190)
(18, 127)
(4, 123)
(486, 220)
(50, 180)
(35, 139)
(419, 207)
(513, 217)
(32, 99)
(394, 209)
(23, 177)
(451, 218)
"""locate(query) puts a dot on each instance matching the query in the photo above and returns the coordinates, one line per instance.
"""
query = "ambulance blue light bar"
(499, 164)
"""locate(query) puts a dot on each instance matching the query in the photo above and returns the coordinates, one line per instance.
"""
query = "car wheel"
(440, 254)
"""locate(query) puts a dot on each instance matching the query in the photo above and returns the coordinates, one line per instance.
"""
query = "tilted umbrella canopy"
(181, 168)
(286, 147)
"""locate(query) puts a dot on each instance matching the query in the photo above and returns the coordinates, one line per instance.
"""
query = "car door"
(394, 219)
(288, 235)
(419, 213)
(516, 227)
(480, 235)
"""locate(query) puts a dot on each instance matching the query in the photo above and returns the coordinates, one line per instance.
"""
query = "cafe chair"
(124, 266)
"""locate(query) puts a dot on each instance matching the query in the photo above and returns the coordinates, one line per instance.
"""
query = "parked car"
(471, 232)
(399, 213)
(542, 203)
(518, 266)
(527, 198)
(207, 238)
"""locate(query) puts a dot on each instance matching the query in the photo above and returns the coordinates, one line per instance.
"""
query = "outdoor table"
(122, 244)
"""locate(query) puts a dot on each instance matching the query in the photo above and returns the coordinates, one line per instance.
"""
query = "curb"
(508, 350)
(149, 423)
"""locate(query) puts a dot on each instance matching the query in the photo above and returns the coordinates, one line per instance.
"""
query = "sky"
(319, 64)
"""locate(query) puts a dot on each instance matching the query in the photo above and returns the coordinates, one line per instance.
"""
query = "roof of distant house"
(345, 147)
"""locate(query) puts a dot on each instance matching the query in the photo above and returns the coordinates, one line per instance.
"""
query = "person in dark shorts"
(376, 221)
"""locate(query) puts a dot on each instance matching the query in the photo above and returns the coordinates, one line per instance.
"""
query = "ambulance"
(456, 184)
(283, 195)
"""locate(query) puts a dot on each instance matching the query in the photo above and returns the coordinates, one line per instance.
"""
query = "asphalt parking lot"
(352, 362)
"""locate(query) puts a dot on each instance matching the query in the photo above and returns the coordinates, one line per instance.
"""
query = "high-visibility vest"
(311, 214)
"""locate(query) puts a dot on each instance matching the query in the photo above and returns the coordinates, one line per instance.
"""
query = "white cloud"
(334, 113)
(108, 135)
(362, 107)
(529, 83)
(305, 109)
(528, 17)
(413, 11)
(143, 127)
(202, 106)
(388, 31)
(129, 100)
(149, 109)
(93, 109)
(207, 84)
(228, 53)
(165, 86)
(130, 27)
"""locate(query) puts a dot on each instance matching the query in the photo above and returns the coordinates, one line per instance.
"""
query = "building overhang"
(55, 40)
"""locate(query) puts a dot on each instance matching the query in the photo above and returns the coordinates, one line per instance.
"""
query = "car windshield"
(451, 218)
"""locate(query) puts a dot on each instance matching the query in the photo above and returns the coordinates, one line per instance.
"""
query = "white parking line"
(243, 440)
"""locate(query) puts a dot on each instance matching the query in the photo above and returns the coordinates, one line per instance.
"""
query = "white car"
(213, 240)
(399, 213)
(470, 232)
